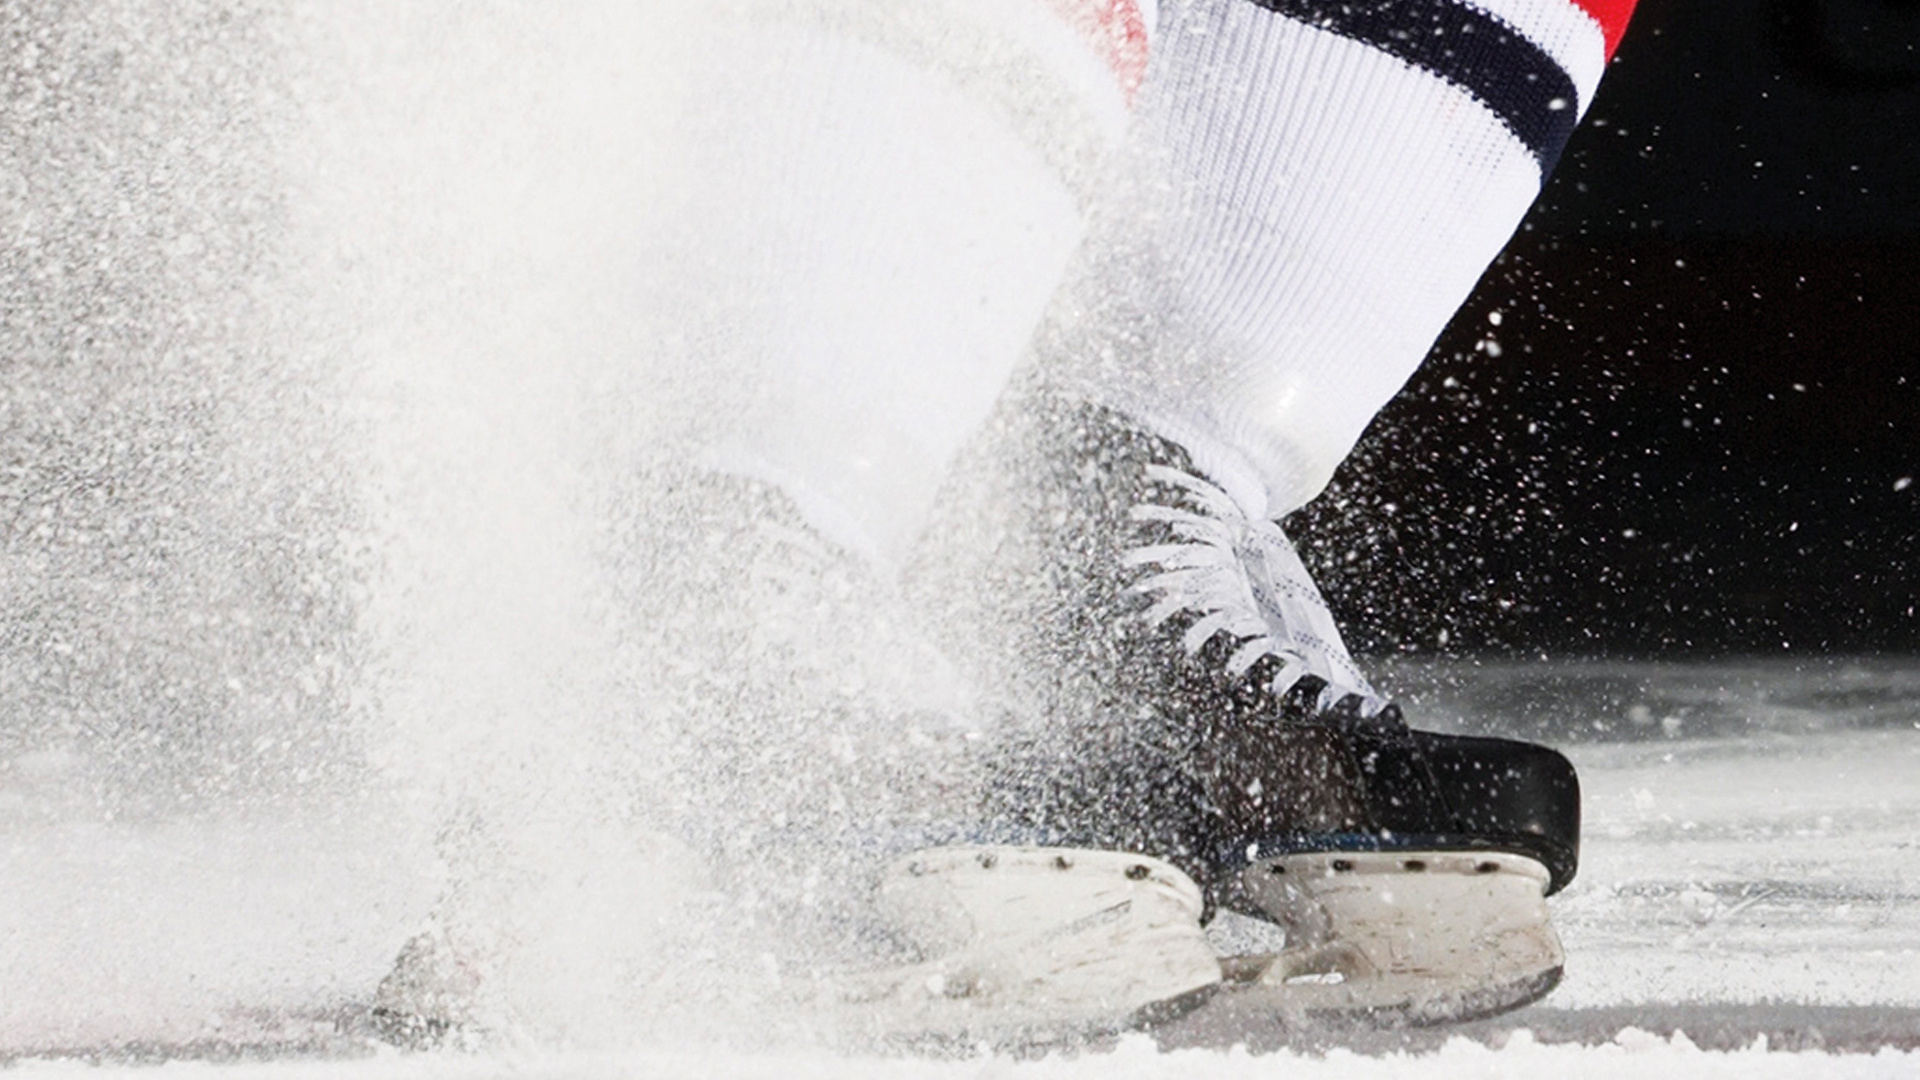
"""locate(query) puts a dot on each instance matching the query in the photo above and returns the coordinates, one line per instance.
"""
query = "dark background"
(1695, 428)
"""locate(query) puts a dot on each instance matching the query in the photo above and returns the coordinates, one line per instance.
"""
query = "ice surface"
(1631, 1054)
(168, 932)
(1735, 888)
(1775, 868)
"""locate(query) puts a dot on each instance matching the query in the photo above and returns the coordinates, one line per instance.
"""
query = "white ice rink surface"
(1755, 888)
(1633, 1056)
(1773, 868)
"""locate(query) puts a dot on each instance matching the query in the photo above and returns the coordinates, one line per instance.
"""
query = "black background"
(1697, 428)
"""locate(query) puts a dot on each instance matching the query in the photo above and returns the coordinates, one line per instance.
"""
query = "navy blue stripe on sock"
(1524, 86)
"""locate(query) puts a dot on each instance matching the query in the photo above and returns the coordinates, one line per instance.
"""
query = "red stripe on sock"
(1612, 16)
(1117, 32)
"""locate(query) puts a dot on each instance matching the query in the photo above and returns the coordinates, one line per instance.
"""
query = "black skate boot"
(1193, 701)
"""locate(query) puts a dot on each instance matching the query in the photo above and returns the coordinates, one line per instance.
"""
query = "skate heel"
(1402, 937)
(1032, 943)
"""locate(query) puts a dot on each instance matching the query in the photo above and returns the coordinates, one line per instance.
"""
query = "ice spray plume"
(657, 717)
(355, 354)
(473, 186)
(167, 644)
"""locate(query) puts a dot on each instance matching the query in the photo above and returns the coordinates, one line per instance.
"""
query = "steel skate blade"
(1401, 938)
(1031, 945)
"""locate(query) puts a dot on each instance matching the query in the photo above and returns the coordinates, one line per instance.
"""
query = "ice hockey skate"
(1199, 705)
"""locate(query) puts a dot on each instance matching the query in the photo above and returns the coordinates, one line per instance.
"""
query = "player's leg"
(880, 199)
(882, 277)
(1318, 187)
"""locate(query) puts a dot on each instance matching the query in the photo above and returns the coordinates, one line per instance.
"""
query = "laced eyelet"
(1241, 577)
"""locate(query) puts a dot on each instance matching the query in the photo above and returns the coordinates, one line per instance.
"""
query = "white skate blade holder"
(1400, 937)
(1034, 942)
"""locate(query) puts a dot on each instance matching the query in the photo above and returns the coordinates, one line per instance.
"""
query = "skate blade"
(1033, 945)
(1400, 939)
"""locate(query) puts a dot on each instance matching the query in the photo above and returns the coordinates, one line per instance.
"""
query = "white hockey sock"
(1318, 187)
(882, 197)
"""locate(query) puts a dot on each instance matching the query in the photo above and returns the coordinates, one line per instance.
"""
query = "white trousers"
(890, 197)
(881, 199)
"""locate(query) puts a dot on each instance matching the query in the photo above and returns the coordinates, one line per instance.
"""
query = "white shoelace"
(1242, 577)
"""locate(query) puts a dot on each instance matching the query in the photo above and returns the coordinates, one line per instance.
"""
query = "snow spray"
(473, 191)
(656, 713)
(416, 414)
